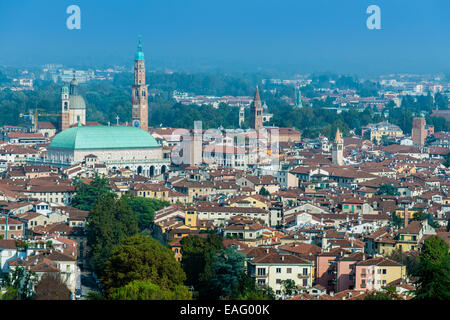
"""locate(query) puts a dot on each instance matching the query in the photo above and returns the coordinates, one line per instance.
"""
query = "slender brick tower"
(337, 152)
(140, 92)
(418, 133)
(256, 112)
(65, 109)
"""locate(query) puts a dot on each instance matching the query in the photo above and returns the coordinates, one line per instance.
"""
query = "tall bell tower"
(140, 92)
(64, 119)
(256, 112)
(337, 151)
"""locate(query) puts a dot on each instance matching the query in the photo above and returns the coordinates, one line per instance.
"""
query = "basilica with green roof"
(129, 147)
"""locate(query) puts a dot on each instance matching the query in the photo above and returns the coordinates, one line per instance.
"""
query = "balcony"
(302, 276)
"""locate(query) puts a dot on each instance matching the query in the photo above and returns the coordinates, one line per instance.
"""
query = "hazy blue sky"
(297, 35)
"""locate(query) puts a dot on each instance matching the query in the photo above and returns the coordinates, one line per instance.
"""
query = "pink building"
(345, 270)
(326, 268)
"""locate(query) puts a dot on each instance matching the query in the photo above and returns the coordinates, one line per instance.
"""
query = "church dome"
(77, 102)
(103, 137)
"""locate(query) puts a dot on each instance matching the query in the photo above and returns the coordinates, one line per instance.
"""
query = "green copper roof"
(104, 137)
(65, 89)
(140, 52)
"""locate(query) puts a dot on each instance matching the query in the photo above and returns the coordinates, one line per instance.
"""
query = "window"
(289, 270)
(261, 281)
(261, 271)
(305, 271)
(278, 270)
(363, 283)
(305, 282)
(384, 271)
(278, 281)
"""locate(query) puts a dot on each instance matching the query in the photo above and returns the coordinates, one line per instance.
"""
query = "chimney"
(406, 215)
(282, 258)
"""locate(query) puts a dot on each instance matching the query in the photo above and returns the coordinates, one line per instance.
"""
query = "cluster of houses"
(328, 216)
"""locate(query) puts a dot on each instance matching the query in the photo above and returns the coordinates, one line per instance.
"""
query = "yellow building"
(157, 191)
(375, 273)
(377, 131)
(385, 246)
(255, 201)
(190, 217)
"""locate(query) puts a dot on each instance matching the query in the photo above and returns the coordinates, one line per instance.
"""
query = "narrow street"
(87, 283)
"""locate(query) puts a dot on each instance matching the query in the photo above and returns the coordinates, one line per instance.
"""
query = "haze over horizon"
(287, 35)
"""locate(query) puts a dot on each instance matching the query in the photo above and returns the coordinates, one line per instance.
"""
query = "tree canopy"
(388, 189)
(86, 195)
(146, 290)
(227, 268)
(198, 254)
(142, 258)
(110, 221)
(434, 270)
(145, 209)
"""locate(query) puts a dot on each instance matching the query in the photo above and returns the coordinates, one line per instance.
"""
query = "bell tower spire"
(140, 91)
(256, 112)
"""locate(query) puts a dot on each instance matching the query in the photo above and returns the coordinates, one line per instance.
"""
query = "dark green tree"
(145, 209)
(110, 221)
(198, 255)
(388, 294)
(249, 290)
(396, 220)
(446, 162)
(227, 268)
(434, 270)
(145, 290)
(141, 258)
(289, 287)
(19, 284)
(86, 195)
(388, 189)
(264, 192)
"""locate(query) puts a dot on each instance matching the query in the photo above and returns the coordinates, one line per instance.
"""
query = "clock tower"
(140, 92)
